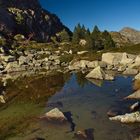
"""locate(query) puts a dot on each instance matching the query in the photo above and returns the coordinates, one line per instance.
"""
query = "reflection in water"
(68, 115)
(25, 99)
(96, 82)
(89, 133)
(85, 105)
(55, 104)
(80, 78)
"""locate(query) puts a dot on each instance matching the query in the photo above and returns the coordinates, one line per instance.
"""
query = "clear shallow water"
(87, 102)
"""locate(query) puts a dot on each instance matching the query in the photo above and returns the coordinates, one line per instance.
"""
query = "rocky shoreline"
(32, 61)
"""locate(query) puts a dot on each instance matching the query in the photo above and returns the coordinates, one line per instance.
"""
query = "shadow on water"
(89, 133)
(57, 104)
(68, 115)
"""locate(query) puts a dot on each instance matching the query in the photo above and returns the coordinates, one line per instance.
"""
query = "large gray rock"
(8, 58)
(118, 58)
(127, 59)
(24, 60)
(137, 60)
(121, 68)
(109, 77)
(136, 63)
(93, 64)
(135, 95)
(74, 66)
(83, 64)
(108, 58)
(127, 118)
(55, 115)
(130, 71)
(102, 64)
(112, 58)
(98, 73)
(137, 77)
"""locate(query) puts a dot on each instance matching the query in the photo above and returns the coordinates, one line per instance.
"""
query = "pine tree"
(96, 33)
(97, 38)
(79, 33)
(108, 41)
(88, 31)
(76, 34)
(83, 32)
(89, 40)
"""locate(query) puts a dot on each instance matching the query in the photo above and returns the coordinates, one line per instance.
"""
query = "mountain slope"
(120, 39)
(132, 34)
(27, 16)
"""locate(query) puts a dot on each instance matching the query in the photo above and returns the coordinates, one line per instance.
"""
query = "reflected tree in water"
(81, 80)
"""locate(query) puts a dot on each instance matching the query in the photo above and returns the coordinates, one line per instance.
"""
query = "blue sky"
(107, 14)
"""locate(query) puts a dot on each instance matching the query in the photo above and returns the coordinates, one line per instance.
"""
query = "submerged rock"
(135, 95)
(113, 112)
(55, 115)
(86, 134)
(127, 118)
(96, 82)
(80, 135)
(135, 106)
(2, 100)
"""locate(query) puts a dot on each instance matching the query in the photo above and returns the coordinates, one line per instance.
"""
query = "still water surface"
(85, 102)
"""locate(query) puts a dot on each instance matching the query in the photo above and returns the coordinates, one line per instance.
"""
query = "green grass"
(134, 49)
(66, 58)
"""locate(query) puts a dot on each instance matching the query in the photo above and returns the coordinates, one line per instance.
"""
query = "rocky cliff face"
(132, 34)
(120, 39)
(27, 16)
(125, 37)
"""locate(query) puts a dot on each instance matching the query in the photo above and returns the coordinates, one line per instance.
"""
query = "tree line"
(95, 39)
